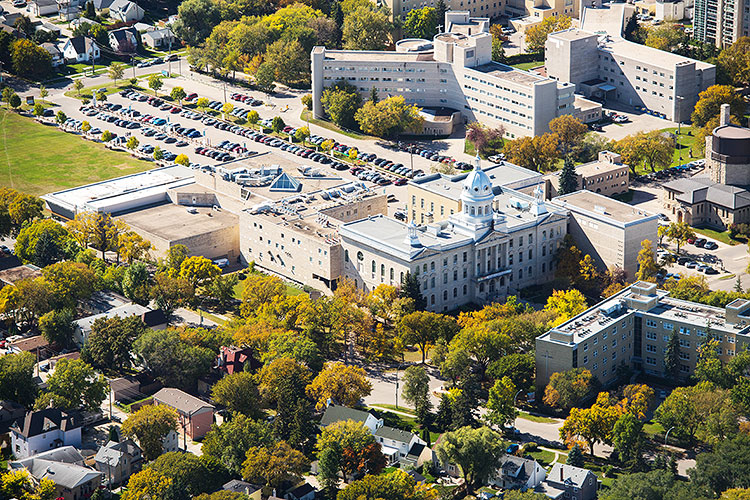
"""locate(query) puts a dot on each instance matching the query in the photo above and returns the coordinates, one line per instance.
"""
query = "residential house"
(79, 21)
(80, 49)
(195, 415)
(42, 7)
(154, 319)
(232, 359)
(133, 387)
(65, 454)
(565, 482)
(36, 345)
(118, 461)
(67, 10)
(100, 5)
(397, 445)
(73, 481)
(518, 473)
(54, 52)
(43, 430)
(250, 490)
(304, 491)
(162, 39)
(124, 40)
(10, 411)
(126, 11)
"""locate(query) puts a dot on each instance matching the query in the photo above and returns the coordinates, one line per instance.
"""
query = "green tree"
(17, 378)
(423, 329)
(38, 109)
(109, 343)
(264, 79)
(274, 465)
(417, 391)
(190, 475)
(149, 425)
(389, 117)
(536, 36)
(328, 469)
(15, 101)
(666, 37)
(302, 134)
(421, 23)
(60, 117)
(726, 466)
(734, 60)
(199, 271)
(502, 411)
(221, 289)
(116, 71)
(30, 60)
(569, 131)
(340, 102)
(476, 452)
(680, 233)
(43, 242)
(136, 284)
(147, 484)
(628, 438)
(396, 485)
(57, 327)
(178, 94)
(366, 29)
(107, 136)
(68, 282)
(575, 457)
(171, 360)
(195, 20)
(277, 124)
(568, 388)
(290, 62)
(354, 445)
(170, 293)
(238, 393)
(74, 384)
(568, 178)
(155, 82)
(518, 367)
(672, 357)
(132, 143)
(230, 441)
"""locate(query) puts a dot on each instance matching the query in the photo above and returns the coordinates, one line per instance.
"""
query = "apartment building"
(613, 69)
(435, 197)
(607, 175)
(633, 327)
(480, 254)
(483, 8)
(608, 230)
(721, 22)
(454, 70)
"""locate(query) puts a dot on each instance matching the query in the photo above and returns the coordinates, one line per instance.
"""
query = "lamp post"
(397, 372)
(666, 436)
(514, 407)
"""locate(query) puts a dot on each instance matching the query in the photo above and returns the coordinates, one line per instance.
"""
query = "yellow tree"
(147, 485)
(381, 299)
(565, 304)
(423, 329)
(274, 466)
(149, 426)
(133, 246)
(259, 290)
(536, 153)
(198, 270)
(343, 384)
(647, 265)
(592, 425)
(680, 233)
(536, 36)
(636, 399)
(569, 131)
(710, 101)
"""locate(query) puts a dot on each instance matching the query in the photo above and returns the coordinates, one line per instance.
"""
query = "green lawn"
(402, 409)
(40, 159)
(291, 290)
(535, 418)
(684, 143)
(719, 236)
(528, 65)
(653, 428)
(307, 116)
(544, 457)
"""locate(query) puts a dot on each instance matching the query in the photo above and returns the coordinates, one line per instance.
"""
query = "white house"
(518, 473)
(154, 319)
(159, 38)
(80, 49)
(123, 40)
(126, 11)
(44, 430)
(42, 7)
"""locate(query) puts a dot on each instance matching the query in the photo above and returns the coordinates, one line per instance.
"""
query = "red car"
(399, 182)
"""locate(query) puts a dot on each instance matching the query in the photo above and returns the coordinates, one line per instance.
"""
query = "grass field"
(39, 159)
(684, 143)
(544, 457)
(720, 236)
(402, 408)
(528, 65)
(535, 418)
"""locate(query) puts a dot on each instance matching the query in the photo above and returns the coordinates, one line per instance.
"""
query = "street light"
(666, 436)
(514, 406)
(397, 370)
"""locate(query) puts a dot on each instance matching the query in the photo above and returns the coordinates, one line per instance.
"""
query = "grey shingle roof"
(180, 400)
(64, 454)
(66, 475)
(575, 475)
(699, 189)
(336, 413)
(395, 434)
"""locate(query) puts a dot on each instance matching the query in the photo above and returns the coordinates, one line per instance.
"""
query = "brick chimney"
(724, 116)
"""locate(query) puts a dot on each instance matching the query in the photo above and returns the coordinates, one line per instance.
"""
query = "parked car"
(710, 245)
(700, 242)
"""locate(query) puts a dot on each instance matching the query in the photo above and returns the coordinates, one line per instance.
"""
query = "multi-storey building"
(455, 70)
(610, 231)
(633, 328)
(721, 22)
(484, 8)
(607, 175)
(479, 254)
(611, 68)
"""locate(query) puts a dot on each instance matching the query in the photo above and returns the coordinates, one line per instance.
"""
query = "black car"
(683, 260)
(700, 242)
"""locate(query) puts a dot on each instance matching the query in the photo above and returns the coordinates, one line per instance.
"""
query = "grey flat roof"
(603, 207)
(181, 400)
(173, 222)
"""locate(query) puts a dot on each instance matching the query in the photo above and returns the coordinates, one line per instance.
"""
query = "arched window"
(360, 256)
(391, 273)
(346, 255)
(382, 269)
(373, 267)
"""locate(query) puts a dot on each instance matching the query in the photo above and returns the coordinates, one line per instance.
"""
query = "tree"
(15, 101)
(628, 438)
(30, 60)
(57, 327)
(198, 271)
(107, 136)
(43, 242)
(265, 78)
(17, 378)
(178, 94)
(680, 233)
(666, 37)
(61, 117)
(109, 343)
(116, 71)
(328, 469)
(417, 390)
(734, 60)
(136, 284)
(341, 101)
(258, 291)
(536, 153)
(727, 466)
(290, 62)
(277, 124)
(78, 86)
(568, 388)
(132, 246)
(275, 465)
(38, 109)
(202, 102)
(170, 293)
(569, 131)
(132, 143)
(227, 108)
(155, 83)
(672, 357)
(423, 329)
(43, 92)
(421, 23)
(171, 360)
(476, 452)
(190, 475)
(343, 384)
(647, 265)
(238, 393)
(498, 52)
(388, 117)
(147, 484)
(68, 282)
(74, 384)
(195, 20)
(536, 36)
(221, 289)
(575, 457)
(568, 178)
(702, 411)
(366, 29)
(565, 304)
(592, 425)
(230, 441)
(500, 404)
(20, 485)
(481, 343)
(396, 485)
(354, 445)
(149, 425)
(710, 101)
(518, 367)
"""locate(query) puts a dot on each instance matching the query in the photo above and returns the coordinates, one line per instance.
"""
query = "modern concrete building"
(454, 70)
(721, 22)
(479, 254)
(633, 328)
(607, 175)
(435, 197)
(608, 230)
(722, 199)
(615, 70)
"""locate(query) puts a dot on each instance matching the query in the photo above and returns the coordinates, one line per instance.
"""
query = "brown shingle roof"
(180, 400)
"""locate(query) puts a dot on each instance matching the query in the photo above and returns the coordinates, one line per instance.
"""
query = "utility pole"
(169, 58)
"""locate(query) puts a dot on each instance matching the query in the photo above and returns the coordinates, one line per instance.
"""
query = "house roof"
(238, 486)
(575, 475)
(700, 189)
(121, 34)
(51, 48)
(44, 3)
(417, 476)
(64, 454)
(112, 452)
(416, 450)
(66, 475)
(9, 261)
(301, 490)
(14, 274)
(394, 434)
(517, 467)
(336, 413)
(154, 318)
(158, 34)
(180, 400)
(41, 421)
(30, 343)
(102, 4)
(82, 44)
(124, 311)
(121, 383)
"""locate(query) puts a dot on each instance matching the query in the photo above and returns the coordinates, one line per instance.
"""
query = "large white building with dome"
(500, 242)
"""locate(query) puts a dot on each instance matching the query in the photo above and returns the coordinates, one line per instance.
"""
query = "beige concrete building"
(608, 230)
(721, 22)
(479, 254)
(722, 199)
(454, 70)
(483, 8)
(615, 70)
(435, 197)
(633, 327)
(608, 176)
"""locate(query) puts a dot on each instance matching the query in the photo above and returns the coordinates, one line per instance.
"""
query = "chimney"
(724, 116)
